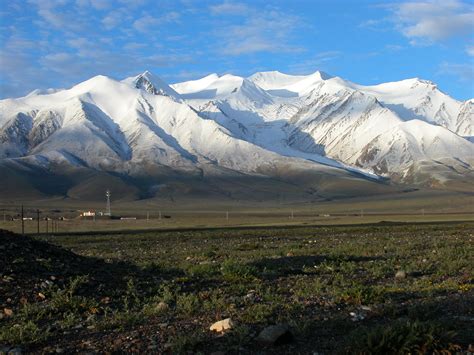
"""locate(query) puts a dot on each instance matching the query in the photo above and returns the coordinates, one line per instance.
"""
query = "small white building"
(88, 214)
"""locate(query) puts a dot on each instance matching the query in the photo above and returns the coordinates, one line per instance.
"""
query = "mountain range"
(269, 135)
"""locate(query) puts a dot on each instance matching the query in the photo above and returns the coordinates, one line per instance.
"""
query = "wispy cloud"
(463, 72)
(230, 8)
(148, 23)
(375, 24)
(58, 14)
(114, 18)
(470, 50)
(426, 22)
(259, 30)
(96, 4)
(317, 62)
(393, 47)
(17, 73)
(70, 44)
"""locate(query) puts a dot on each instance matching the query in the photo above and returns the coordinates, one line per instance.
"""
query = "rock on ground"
(401, 274)
(222, 325)
(275, 335)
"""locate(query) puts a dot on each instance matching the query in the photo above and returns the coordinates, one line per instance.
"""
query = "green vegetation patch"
(367, 290)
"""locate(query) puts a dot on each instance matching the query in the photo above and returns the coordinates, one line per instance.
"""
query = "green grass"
(311, 279)
(403, 337)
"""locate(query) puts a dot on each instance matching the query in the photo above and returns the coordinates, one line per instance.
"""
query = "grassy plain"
(411, 206)
(159, 291)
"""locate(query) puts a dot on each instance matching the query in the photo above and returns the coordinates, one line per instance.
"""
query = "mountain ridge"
(267, 126)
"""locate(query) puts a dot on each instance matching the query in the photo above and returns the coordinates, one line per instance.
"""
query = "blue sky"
(58, 43)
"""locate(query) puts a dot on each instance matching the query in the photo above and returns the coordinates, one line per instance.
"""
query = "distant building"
(88, 214)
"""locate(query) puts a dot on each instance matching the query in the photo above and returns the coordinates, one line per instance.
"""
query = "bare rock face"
(222, 325)
(275, 335)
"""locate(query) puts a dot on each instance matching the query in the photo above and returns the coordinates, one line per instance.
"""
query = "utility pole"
(227, 215)
(108, 212)
(47, 224)
(37, 221)
(159, 215)
(22, 221)
(292, 214)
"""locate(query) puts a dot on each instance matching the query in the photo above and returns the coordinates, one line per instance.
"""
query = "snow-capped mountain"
(400, 130)
(268, 126)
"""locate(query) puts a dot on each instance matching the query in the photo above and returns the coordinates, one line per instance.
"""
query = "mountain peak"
(152, 84)
(321, 75)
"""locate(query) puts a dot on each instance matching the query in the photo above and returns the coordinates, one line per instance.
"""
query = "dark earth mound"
(28, 267)
(49, 294)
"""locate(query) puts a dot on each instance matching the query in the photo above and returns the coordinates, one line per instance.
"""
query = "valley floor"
(426, 206)
(348, 289)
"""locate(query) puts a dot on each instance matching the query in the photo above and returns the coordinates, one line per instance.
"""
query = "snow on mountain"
(417, 99)
(212, 87)
(340, 125)
(409, 99)
(318, 115)
(247, 111)
(412, 142)
(193, 86)
(109, 125)
(285, 85)
(151, 84)
(464, 123)
(266, 125)
(43, 92)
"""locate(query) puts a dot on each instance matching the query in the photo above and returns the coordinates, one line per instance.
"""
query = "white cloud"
(17, 75)
(59, 14)
(112, 19)
(230, 8)
(101, 4)
(133, 3)
(96, 4)
(316, 62)
(464, 72)
(262, 30)
(133, 46)
(393, 47)
(71, 45)
(149, 23)
(58, 57)
(470, 50)
(425, 22)
(375, 25)
(187, 75)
